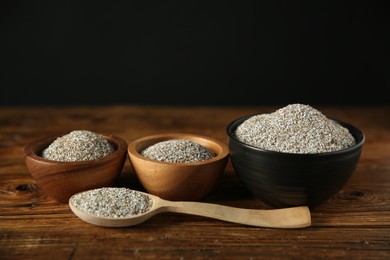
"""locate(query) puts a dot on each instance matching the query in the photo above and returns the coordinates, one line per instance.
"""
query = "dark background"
(194, 52)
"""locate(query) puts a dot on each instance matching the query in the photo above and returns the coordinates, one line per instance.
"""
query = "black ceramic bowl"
(287, 179)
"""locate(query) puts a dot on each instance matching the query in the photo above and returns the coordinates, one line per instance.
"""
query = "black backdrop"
(194, 52)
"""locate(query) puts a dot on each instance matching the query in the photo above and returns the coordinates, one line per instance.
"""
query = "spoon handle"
(293, 217)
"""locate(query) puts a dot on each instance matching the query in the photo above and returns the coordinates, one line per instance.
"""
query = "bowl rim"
(132, 147)
(29, 151)
(231, 127)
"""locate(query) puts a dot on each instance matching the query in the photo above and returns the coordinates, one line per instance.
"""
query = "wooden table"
(354, 224)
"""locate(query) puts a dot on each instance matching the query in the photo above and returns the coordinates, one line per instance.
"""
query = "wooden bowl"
(178, 180)
(60, 180)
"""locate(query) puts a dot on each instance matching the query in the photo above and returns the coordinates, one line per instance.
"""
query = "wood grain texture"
(354, 224)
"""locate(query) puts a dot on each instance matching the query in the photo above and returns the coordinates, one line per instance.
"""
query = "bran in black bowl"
(294, 156)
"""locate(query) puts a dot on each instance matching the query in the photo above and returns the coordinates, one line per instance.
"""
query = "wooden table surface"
(354, 224)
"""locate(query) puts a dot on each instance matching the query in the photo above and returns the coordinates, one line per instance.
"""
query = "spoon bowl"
(293, 217)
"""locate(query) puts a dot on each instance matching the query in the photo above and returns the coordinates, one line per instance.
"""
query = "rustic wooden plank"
(355, 223)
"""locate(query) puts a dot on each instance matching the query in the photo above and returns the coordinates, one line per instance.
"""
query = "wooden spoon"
(293, 217)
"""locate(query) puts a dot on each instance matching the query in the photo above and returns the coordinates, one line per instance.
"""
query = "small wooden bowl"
(60, 180)
(178, 181)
